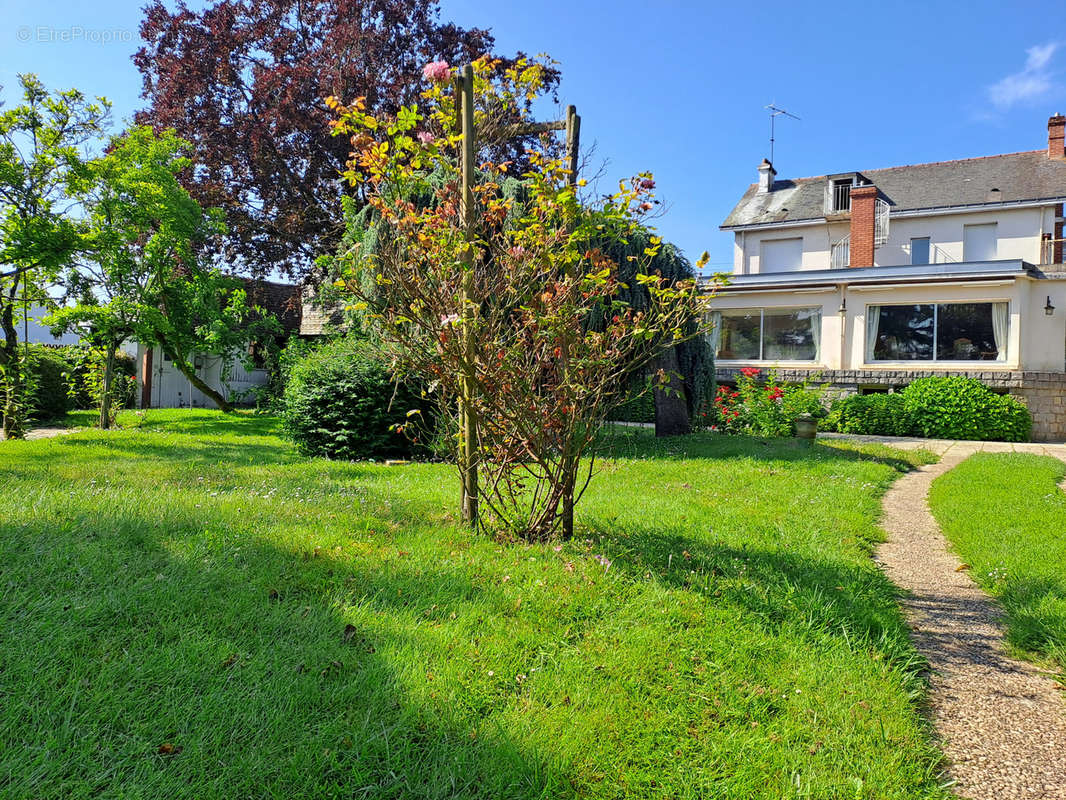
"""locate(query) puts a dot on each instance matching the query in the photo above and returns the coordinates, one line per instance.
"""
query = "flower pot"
(806, 427)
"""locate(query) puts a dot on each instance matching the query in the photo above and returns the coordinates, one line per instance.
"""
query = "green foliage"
(870, 415)
(341, 401)
(146, 274)
(1004, 514)
(42, 140)
(764, 408)
(964, 408)
(639, 405)
(47, 397)
(322, 629)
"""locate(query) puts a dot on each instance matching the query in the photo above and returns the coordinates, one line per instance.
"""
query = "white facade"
(169, 388)
(1019, 235)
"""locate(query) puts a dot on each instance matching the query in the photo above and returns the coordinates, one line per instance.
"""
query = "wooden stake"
(467, 415)
(573, 141)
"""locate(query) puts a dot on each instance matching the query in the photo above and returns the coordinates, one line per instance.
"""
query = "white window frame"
(999, 362)
(762, 318)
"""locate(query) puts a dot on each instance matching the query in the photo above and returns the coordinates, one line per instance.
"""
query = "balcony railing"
(1052, 251)
(840, 253)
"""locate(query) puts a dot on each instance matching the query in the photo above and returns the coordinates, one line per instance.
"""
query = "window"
(841, 200)
(768, 334)
(937, 332)
(781, 255)
(920, 251)
(979, 242)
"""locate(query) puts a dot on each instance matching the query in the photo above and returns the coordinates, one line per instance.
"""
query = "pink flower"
(517, 251)
(645, 206)
(647, 183)
(450, 319)
(425, 137)
(437, 71)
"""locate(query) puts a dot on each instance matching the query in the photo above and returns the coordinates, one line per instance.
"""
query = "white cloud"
(1032, 82)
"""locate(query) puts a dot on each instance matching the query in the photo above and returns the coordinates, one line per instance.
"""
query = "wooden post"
(468, 457)
(573, 141)
(569, 466)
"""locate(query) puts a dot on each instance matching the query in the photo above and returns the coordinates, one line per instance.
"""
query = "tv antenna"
(775, 112)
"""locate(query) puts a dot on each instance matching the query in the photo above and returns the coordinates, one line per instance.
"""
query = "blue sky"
(678, 88)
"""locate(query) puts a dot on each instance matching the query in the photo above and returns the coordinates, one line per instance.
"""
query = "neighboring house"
(163, 386)
(34, 331)
(868, 280)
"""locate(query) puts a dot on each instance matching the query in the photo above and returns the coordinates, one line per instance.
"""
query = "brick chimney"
(1056, 137)
(767, 173)
(863, 208)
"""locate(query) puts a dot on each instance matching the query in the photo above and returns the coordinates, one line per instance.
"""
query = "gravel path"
(45, 433)
(1002, 721)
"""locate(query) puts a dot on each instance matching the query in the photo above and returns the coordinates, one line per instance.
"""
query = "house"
(161, 385)
(868, 280)
(32, 329)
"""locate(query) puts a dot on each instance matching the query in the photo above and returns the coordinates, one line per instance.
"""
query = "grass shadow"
(239, 659)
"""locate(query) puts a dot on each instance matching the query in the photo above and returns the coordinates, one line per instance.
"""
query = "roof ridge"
(919, 164)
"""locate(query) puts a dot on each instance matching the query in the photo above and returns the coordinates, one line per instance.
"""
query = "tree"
(243, 80)
(501, 292)
(144, 275)
(40, 155)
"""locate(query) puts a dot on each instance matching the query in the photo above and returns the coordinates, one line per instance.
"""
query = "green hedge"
(935, 408)
(964, 408)
(341, 402)
(870, 415)
(640, 407)
(48, 397)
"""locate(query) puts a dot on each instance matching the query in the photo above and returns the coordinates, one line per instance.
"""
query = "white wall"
(171, 389)
(1018, 233)
(1037, 342)
(39, 333)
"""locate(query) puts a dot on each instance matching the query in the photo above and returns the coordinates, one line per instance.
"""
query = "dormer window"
(841, 196)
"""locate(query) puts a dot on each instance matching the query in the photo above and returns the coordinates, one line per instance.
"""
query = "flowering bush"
(508, 303)
(763, 408)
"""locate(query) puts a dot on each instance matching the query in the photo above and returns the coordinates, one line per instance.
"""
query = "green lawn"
(1006, 516)
(299, 628)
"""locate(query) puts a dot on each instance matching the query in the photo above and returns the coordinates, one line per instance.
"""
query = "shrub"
(340, 401)
(638, 407)
(870, 415)
(47, 397)
(764, 409)
(85, 374)
(964, 408)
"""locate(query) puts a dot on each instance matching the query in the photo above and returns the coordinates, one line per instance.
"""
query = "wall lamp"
(1049, 309)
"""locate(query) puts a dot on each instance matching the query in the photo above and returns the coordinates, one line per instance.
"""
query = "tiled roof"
(281, 299)
(1019, 177)
(318, 318)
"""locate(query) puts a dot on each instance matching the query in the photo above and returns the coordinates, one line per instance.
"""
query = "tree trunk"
(105, 392)
(194, 379)
(9, 363)
(671, 408)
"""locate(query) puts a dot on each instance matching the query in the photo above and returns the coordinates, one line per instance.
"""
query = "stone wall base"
(1043, 392)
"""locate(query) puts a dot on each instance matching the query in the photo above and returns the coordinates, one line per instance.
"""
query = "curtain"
(716, 331)
(816, 334)
(1000, 327)
(873, 322)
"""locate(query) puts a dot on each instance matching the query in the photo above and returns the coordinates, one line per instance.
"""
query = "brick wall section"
(1056, 137)
(863, 201)
(1043, 392)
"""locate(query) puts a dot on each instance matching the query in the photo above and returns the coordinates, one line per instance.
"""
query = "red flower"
(749, 372)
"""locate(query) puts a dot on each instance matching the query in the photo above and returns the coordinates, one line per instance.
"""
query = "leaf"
(168, 749)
